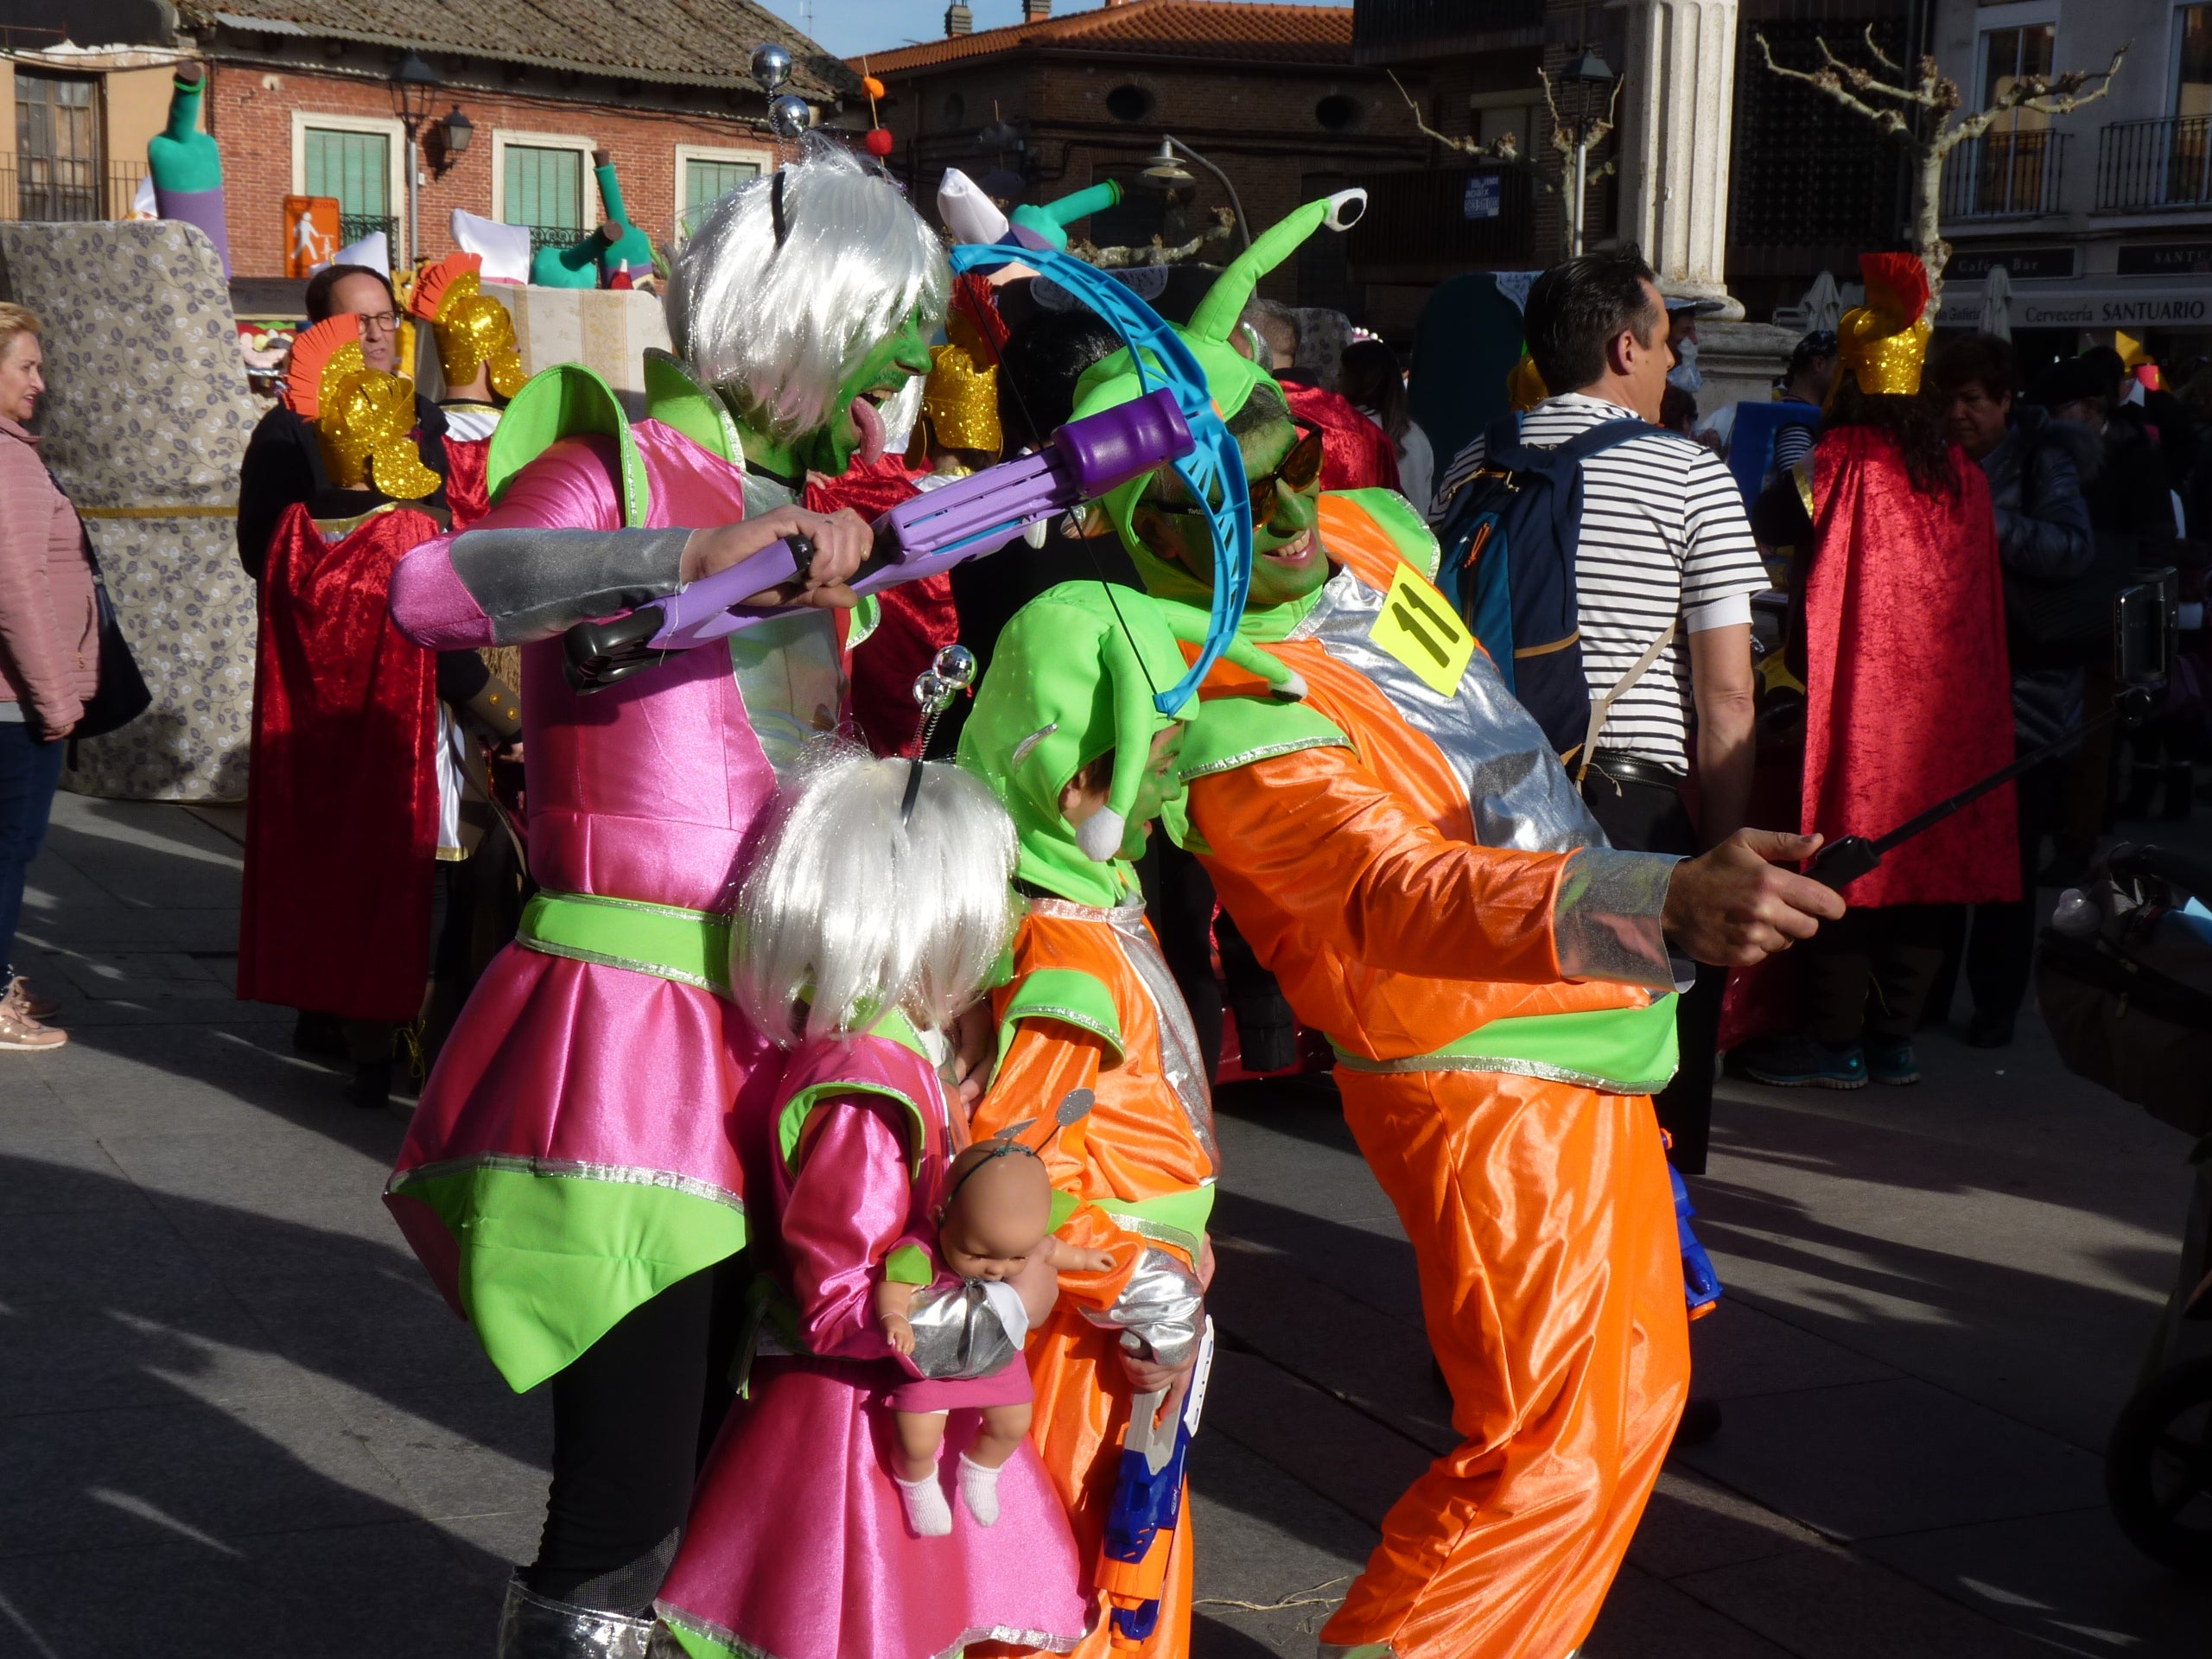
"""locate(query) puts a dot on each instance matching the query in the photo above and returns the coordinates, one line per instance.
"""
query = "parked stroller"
(2124, 980)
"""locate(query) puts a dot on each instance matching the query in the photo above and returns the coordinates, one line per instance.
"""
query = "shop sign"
(2021, 264)
(2165, 259)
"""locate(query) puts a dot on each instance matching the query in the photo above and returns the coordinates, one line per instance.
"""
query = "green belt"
(1177, 1218)
(688, 946)
(1614, 1051)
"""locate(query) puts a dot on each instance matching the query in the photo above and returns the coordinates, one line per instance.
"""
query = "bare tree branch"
(1503, 150)
(1828, 81)
(1879, 56)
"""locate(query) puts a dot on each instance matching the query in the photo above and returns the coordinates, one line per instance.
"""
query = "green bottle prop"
(579, 264)
(1049, 222)
(187, 168)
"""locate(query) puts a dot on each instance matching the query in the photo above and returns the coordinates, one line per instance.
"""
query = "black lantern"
(413, 89)
(452, 136)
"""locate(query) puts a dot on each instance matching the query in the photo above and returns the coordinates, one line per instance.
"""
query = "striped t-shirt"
(1664, 537)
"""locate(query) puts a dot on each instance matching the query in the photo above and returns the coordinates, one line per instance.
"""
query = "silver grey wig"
(780, 325)
(852, 911)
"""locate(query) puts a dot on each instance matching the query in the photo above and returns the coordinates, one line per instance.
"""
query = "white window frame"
(395, 151)
(595, 210)
(763, 158)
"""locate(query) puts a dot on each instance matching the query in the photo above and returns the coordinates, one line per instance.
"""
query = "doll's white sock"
(927, 1512)
(979, 1490)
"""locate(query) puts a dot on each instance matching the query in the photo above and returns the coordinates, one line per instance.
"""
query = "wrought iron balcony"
(66, 190)
(352, 227)
(2143, 166)
(2004, 175)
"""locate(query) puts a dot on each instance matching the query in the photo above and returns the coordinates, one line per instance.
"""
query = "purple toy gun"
(932, 532)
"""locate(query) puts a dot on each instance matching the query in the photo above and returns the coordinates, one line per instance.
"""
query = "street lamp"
(1166, 172)
(454, 132)
(414, 90)
(1588, 73)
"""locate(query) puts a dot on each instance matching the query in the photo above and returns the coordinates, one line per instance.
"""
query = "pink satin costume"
(797, 1547)
(577, 1149)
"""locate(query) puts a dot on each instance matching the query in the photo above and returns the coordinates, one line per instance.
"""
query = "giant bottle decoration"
(579, 264)
(187, 168)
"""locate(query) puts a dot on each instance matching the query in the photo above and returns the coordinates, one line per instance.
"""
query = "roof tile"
(1231, 29)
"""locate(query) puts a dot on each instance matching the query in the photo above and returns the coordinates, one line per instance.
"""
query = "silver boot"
(533, 1626)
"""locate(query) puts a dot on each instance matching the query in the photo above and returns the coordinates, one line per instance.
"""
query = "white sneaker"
(19, 1031)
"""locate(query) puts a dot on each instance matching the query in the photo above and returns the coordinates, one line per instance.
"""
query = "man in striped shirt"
(1665, 554)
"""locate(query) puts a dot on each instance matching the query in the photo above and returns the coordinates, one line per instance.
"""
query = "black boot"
(370, 1088)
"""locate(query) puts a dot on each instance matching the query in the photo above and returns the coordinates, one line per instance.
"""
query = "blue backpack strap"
(1606, 435)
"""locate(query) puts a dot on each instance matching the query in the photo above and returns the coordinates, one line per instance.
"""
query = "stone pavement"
(235, 1418)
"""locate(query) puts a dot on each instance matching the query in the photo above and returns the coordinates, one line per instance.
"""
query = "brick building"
(1268, 94)
(304, 101)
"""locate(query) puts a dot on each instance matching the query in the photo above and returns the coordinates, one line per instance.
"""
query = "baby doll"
(993, 1232)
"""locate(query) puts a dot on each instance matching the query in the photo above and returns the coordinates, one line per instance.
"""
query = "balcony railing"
(2004, 175)
(2143, 165)
(352, 227)
(68, 192)
(1424, 217)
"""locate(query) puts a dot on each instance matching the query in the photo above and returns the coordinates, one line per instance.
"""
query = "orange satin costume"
(1091, 1006)
(1486, 1090)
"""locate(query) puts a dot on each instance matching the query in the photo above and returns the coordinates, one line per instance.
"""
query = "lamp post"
(1163, 169)
(1586, 74)
(414, 88)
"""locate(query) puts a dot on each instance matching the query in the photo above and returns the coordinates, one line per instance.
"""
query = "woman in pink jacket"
(49, 655)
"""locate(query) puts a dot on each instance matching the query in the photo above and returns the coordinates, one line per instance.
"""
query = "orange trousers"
(1083, 1406)
(1542, 1224)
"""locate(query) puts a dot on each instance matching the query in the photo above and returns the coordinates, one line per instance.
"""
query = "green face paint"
(829, 448)
(1161, 785)
(1287, 560)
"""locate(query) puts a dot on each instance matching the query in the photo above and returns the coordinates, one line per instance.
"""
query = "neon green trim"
(1064, 1206)
(1409, 532)
(1614, 1051)
(1069, 995)
(867, 618)
(677, 399)
(1226, 733)
(908, 1265)
(791, 1121)
(688, 946)
(566, 401)
(1177, 1218)
(549, 1261)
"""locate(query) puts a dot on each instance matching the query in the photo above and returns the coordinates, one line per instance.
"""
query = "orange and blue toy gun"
(1700, 1284)
(1148, 1506)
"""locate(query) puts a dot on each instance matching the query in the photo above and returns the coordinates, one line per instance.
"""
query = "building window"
(57, 147)
(356, 167)
(546, 188)
(955, 109)
(2011, 159)
(1336, 113)
(703, 177)
(2192, 61)
(355, 161)
(1128, 102)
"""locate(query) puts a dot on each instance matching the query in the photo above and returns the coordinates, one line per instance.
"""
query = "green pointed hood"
(1072, 677)
(1231, 377)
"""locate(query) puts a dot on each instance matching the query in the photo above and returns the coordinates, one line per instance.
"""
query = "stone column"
(1677, 115)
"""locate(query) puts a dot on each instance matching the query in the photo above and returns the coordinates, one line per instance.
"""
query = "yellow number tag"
(1418, 628)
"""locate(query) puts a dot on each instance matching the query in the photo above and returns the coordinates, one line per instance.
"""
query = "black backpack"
(1508, 540)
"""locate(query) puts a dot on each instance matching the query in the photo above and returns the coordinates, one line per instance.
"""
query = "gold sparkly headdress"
(1883, 343)
(961, 402)
(473, 328)
(362, 417)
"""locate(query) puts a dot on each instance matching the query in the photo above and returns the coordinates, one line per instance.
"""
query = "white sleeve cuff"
(1732, 610)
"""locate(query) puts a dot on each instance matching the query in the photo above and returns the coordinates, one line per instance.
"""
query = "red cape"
(466, 496)
(1909, 696)
(341, 817)
(918, 616)
(1356, 453)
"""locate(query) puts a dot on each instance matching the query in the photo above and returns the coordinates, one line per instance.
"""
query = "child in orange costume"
(1094, 1040)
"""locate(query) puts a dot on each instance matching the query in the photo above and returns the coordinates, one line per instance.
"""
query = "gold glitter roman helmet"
(473, 328)
(1883, 343)
(362, 417)
(960, 402)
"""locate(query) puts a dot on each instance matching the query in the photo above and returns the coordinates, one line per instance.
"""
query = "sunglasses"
(1296, 473)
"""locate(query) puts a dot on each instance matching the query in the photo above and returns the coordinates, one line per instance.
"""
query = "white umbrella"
(1823, 304)
(1997, 303)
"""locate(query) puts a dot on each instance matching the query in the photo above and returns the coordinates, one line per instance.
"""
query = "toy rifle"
(1148, 1505)
(918, 538)
(1700, 1284)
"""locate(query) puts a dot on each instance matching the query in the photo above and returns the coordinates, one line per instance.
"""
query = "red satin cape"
(1909, 695)
(467, 496)
(342, 814)
(918, 616)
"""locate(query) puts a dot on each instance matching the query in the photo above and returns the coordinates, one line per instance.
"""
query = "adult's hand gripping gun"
(918, 538)
(1148, 1505)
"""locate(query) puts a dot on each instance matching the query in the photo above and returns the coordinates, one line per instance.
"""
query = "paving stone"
(1644, 1619)
(1692, 1525)
(1349, 1459)
(1742, 1348)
